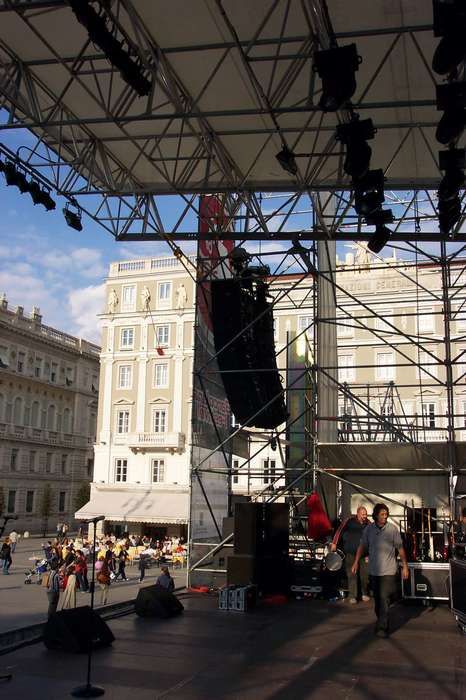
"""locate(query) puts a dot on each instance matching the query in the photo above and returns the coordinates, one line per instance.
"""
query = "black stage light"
(41, 195)
(336, 68)
(73, 219)
(354, 136)
(450, 52)
(449, 213)
(451, 98)
(15, 177)
(130, 70)
(287, 160)
(379, 217)
(452, 158)
(449, 16)
(379, 239)
(451, 184)
(368, 192)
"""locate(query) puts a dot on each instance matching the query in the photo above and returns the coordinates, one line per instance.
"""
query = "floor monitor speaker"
(72, 630)
(153, 601)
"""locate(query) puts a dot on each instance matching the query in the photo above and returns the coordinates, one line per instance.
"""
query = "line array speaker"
(242, 320)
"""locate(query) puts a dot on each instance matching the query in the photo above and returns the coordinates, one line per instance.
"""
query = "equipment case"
(427, 581)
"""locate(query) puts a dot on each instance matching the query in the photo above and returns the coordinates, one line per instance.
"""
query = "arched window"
(35, 414)
(51, 417)
(67, 420)
(18, 411)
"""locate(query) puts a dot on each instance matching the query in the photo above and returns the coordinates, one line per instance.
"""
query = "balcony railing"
(27, 433)
(139, 442)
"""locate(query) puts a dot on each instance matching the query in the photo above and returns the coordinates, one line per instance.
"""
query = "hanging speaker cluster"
(243, 334)
(447, 61)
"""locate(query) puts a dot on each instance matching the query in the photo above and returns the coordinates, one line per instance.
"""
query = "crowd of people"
(64, 570)
(69, 560)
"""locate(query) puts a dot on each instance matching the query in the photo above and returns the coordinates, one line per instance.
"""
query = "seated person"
(165, 580)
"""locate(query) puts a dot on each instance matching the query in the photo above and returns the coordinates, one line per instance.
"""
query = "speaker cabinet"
(241, 569)
(242, 322)
(247, 528)
(73, 630)
(154, 601)
(262, 529)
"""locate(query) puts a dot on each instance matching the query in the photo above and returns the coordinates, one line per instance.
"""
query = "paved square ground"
(302, 650)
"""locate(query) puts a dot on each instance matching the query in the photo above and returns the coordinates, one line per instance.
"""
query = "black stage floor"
(304, 649)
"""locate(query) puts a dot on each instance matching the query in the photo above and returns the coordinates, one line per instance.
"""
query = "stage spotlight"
(73, 218)
(336, 68)
(449, 16)
(15, 177)
(96, 24)
(451, 184)
(379, 239)
(451, 98)
(354, 136)
(450, 52)
(41, 195)
(368, 192)
(287, 160)
(449, 213)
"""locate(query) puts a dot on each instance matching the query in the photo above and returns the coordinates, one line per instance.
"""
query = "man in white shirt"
(381, 540)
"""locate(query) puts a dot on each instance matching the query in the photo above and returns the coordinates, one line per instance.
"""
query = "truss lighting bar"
(96, 25)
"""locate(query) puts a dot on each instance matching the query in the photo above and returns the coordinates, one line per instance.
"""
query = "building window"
(345, 328)
(427, 363)
(164, 292)
(162, 335)
(89, 467)
(127, 338)
(426, 321)
(161, 376)
(235, 476)
(20, 363)
(48, 463)
(383, 320)
(125, 376)
(461, 319)
(122, 422)
(14, 460)
(54, 373)
(159, 420)
(121, 470)
(61, 501)
(158, 470)
(128, 298)
(385, 368)
(64, 465)
(4, 356)
(306, 324)
(346, 369)
(32, 461)
(428, 415)
(11, 505)
(38, 367)
(268, 466)
(29, 501)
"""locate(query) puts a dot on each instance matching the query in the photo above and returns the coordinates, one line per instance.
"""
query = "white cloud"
(84, 305)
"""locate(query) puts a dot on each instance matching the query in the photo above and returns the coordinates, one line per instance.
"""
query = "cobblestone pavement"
(23, 605)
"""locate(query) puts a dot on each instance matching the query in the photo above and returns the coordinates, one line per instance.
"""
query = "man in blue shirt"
(381, 540)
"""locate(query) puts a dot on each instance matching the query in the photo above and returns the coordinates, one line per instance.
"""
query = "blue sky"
(45, 263)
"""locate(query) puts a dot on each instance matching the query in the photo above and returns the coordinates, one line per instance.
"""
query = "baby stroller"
(40, 568)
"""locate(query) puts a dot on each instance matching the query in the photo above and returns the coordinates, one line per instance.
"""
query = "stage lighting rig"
(369, 192)
(73, 218)
(336, 68)
(354, 135)
(286, 158)
(95, 23)
(451, 98)
(450, 24)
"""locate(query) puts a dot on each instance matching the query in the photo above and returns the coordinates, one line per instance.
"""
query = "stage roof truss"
(232, 81)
